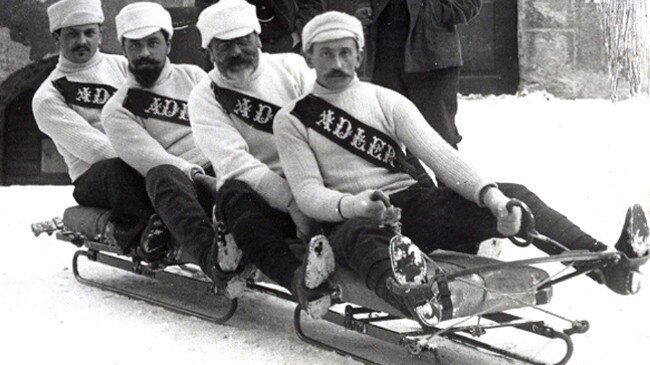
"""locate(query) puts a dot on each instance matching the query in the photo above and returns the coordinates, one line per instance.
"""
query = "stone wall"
(561, 48)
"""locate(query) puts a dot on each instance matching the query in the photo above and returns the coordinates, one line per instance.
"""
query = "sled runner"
(474, 292)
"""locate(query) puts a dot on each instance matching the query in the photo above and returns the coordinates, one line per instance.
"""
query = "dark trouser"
(114, 185)
(434, 92)
(260, 231)
(438, 218)
(185, 208)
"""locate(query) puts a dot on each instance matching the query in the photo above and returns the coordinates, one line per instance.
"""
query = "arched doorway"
(27, 155)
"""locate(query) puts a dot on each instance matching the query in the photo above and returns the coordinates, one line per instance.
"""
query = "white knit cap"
(68, 13)
(139, 20)
(227, 19)
(330, 26)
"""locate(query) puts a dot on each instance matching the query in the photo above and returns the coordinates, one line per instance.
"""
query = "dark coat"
(432, 42)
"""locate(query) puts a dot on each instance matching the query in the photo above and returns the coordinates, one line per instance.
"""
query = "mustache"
(145, 61)
(81, 47)
(337, 73)
(239, 60)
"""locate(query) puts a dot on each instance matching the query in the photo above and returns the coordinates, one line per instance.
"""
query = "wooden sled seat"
(489, 291)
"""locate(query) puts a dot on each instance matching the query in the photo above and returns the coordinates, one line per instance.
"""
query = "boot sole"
(320, 262)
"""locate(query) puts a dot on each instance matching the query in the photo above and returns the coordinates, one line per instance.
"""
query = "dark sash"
(353, 135)
(257, 113)
(86, 95)
(146, 104)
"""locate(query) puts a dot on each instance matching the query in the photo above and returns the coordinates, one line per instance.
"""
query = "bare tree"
(626, 26)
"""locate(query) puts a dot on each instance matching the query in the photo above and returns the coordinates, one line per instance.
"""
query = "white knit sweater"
(237, 150)
(147, 142)
(321, 172)
(76, 129)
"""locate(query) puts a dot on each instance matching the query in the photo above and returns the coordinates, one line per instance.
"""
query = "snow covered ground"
(587, 158)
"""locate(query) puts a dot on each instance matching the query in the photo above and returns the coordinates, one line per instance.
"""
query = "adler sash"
(257, 113)
(146, 104)
(353, 135)
(86, 95)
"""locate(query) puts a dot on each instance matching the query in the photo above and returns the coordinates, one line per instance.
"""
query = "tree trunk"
(626, 27)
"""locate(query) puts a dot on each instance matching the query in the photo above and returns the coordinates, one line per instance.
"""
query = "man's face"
(147, 56)
(80, 42)
(335, 62)
(234, 56)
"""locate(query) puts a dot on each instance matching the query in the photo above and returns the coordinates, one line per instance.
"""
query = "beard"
(146, 71)
(240, 65)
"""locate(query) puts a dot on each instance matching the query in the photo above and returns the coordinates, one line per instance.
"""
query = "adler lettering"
(359, 140)
(390, 155)
(101, 96)
(326, 120)
(145, 104)
(376, 147)
(343, 128)
(170, 109)
(264, 114)
(154, 107)
(243, 107)
(257, 113)
(84, 94)
(184, 115)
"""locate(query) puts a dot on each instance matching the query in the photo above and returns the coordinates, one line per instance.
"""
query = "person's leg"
(113, 184)
(438, 218)
(362, 246)
(441, 219)
(634, 242)
(259, 230)
(175, 199)
(552, 223)
(435, 93)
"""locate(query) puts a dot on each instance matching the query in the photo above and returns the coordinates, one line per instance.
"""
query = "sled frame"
(136, 267)
(362, 320)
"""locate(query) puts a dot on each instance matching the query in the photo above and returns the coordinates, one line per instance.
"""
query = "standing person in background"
(420, 60)
(281, 21)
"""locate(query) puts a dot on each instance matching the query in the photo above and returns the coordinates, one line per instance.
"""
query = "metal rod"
(162, 275)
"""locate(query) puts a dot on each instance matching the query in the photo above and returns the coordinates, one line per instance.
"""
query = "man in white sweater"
(148, 124)
(231, 112)
(347, 139)
(67, 107)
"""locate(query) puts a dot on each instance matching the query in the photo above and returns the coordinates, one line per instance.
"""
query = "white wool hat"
(68, 13)
(227, 19)
(330, 26)
(141, 19)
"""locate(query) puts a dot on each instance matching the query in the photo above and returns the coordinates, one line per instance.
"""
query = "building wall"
(561, 48)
